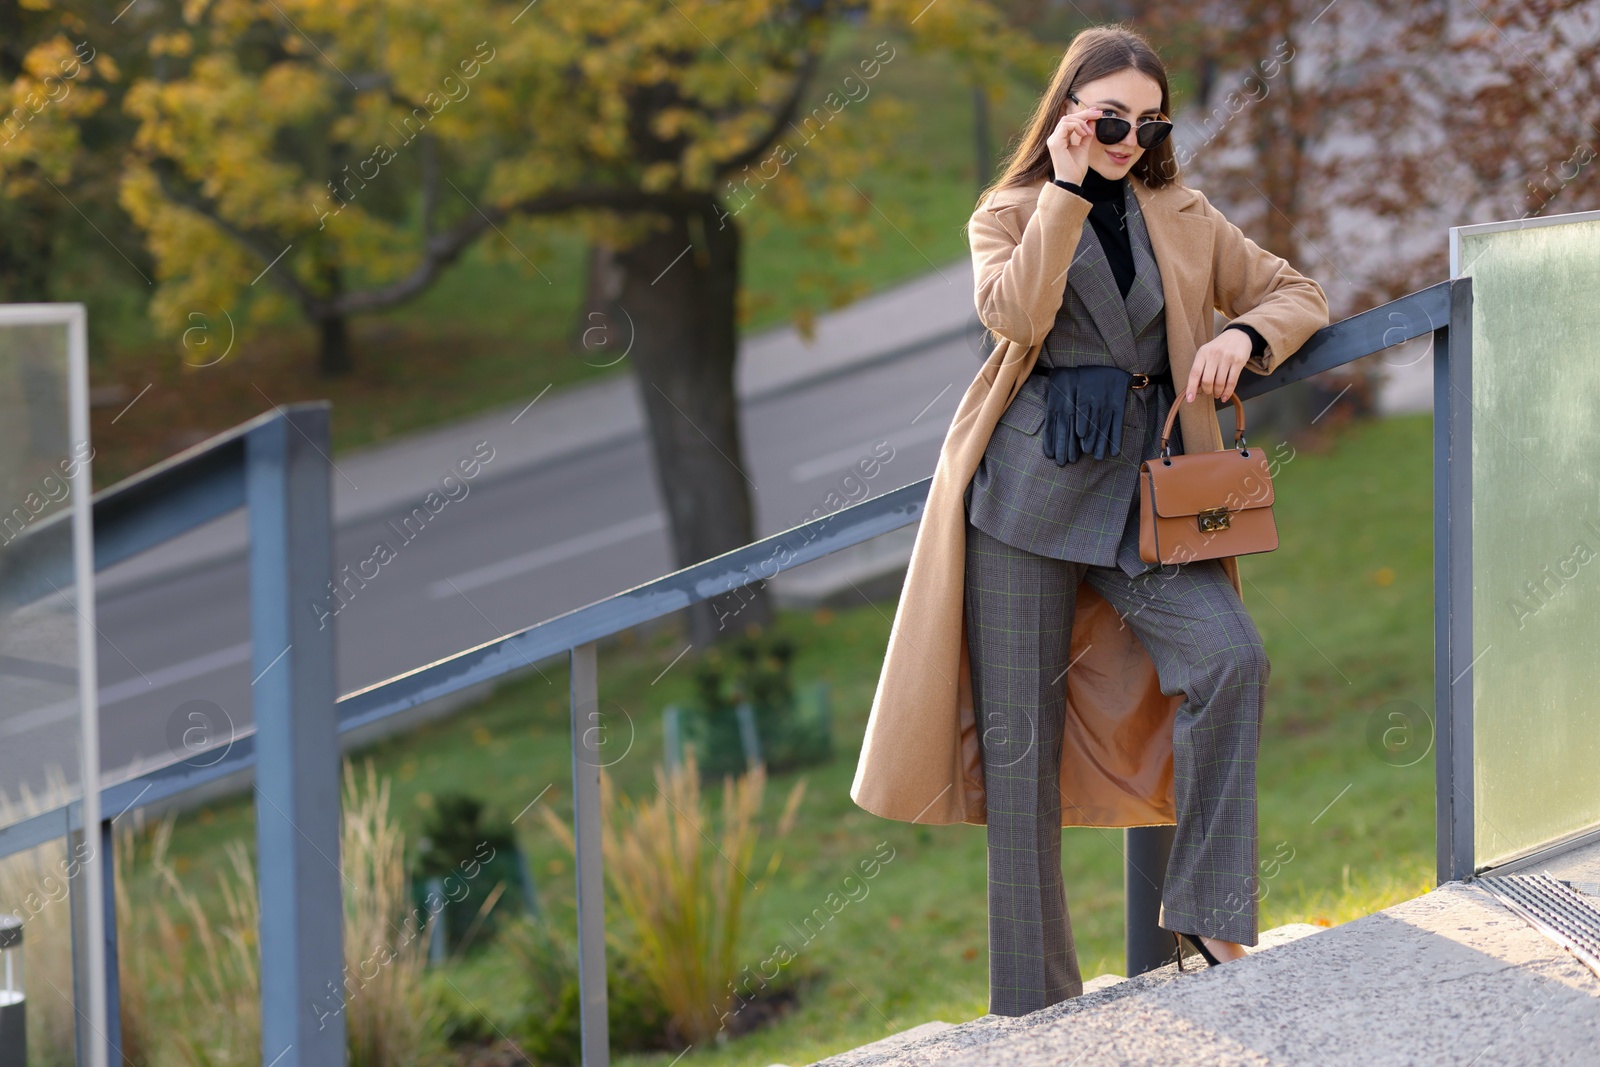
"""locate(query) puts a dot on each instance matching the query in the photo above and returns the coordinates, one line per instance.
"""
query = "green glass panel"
(40, 709)
(1535, 533)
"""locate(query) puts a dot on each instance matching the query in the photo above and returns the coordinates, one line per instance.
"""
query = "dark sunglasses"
(1109, 129)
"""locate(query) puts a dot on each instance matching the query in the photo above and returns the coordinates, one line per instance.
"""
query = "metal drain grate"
(1555, 909)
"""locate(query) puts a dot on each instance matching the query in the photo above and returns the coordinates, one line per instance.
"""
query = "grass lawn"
(496, 328)
(1346, 821)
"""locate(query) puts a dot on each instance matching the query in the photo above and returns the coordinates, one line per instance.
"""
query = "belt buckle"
(1144, 384)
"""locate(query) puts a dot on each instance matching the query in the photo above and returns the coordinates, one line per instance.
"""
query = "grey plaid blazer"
(1086, 510)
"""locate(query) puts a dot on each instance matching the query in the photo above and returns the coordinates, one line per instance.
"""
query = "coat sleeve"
(1020, 272)
(1255, 288)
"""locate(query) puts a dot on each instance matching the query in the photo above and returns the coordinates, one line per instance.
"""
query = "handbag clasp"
(1212, 519)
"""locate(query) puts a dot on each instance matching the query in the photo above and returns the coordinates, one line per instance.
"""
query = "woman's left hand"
(1217, 364)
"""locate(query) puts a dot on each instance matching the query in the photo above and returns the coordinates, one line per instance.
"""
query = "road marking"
(571, 548)
(834, 462)
(188, 670)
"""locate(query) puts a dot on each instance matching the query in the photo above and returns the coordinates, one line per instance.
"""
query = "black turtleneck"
(1107, 200)
(1107, 207)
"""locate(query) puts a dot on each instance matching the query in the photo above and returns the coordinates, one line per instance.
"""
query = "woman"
(1089, 688)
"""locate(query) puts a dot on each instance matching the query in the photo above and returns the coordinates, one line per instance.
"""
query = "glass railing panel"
(1535, 530)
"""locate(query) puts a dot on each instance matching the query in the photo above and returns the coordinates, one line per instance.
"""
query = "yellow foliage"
(319, 152)
(43, 106)
(178, 43)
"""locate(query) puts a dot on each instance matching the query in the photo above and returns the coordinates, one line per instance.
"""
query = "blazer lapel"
(1089, 275)
(1145, 295)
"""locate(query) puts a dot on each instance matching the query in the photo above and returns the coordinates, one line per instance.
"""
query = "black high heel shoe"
(1179, 938)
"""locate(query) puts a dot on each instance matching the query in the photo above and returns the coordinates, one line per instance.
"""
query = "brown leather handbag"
(1208, 504)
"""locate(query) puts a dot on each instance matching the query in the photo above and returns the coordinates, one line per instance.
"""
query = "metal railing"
(277, 467)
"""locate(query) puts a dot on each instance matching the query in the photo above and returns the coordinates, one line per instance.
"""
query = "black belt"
(1140, 380)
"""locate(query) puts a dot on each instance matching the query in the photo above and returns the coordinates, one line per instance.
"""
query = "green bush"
(794, 730)
(471, 851)
(460, 1023)
(550, 1030)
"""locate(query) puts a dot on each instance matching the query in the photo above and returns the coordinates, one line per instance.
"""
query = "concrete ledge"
(1448, 977)
(987, 1030)
(888, 1046)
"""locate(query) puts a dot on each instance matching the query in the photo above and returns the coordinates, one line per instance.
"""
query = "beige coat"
(920, 760)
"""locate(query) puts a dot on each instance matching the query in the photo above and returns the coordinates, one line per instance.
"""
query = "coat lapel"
(1183, 244)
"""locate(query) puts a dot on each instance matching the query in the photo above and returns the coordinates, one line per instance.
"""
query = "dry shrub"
(218, 1010)
(684, 888)
(214, 1018)
(148, 954)
(391, 1020)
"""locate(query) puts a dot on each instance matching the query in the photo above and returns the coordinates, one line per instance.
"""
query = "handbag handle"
(1238, 426)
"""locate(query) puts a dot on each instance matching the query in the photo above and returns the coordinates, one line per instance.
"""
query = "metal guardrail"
(277, 466)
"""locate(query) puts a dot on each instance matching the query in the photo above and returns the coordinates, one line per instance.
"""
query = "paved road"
(513, 551)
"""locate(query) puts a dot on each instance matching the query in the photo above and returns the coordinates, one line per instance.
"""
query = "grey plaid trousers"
(1019, 608)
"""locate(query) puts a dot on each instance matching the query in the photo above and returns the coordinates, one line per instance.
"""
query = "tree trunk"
(334, 359)
(1279, 154)
(1205, 80)
(26, 251)
(596, 336)
(333, 352)
(679, 288)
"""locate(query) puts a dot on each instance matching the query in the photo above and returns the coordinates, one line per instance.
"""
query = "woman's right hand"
(1069, 144)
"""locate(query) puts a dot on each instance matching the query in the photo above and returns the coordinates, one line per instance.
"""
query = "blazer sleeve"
(1255, 288)
(1020, 271)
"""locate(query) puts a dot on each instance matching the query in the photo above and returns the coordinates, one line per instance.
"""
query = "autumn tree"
(55, 82)
(298, 153)
(1458, 113)
(1250, 134)
(688, 120)
(341, 156)
(1350, 137)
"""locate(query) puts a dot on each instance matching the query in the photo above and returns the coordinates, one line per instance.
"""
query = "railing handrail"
(183, 491)
(196, 486)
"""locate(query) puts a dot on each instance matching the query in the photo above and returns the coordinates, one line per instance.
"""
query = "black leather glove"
(1060, 434)
(1102, 400)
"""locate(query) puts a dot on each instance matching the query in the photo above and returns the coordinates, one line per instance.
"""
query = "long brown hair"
(1094, 53)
